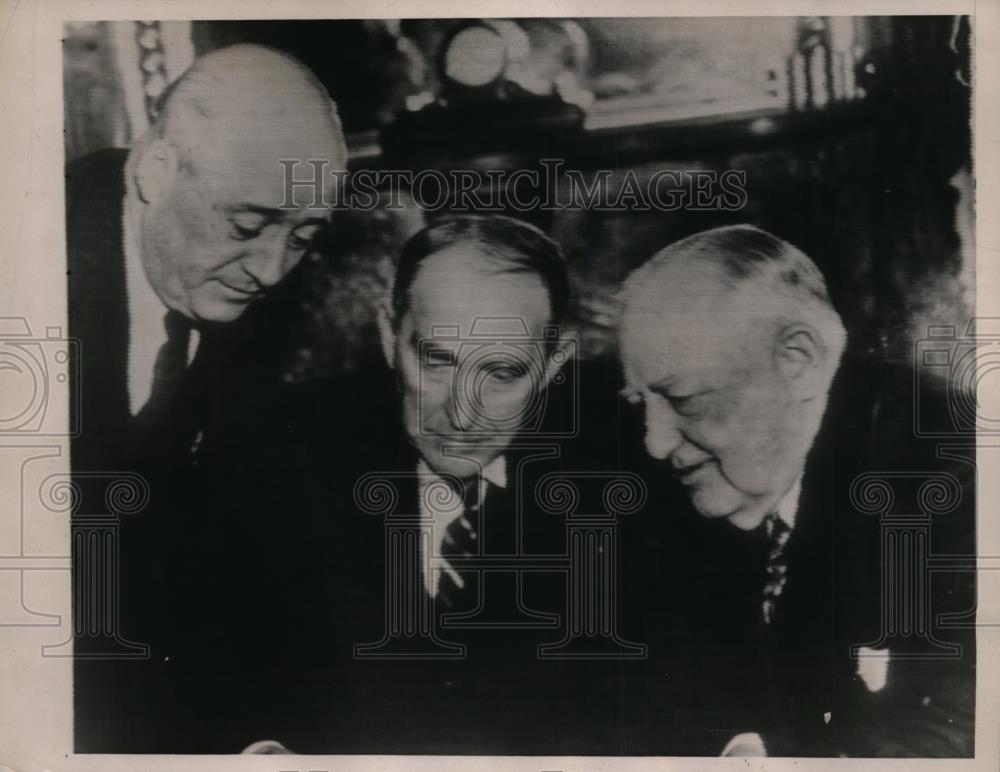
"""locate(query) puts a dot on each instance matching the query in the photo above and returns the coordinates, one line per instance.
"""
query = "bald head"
(736, 279)
(207, 191)
(250, 100)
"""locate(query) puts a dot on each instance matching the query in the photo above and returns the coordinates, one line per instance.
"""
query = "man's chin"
(743, 512)
(715, 506)
(451, 465)
(221, 310)
(747, 519)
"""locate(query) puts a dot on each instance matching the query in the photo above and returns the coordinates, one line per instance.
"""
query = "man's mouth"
(686, 473)
(239, 293)
(457, 442)
(454, 439)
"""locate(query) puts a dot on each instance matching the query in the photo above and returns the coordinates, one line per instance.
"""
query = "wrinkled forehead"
(462, 289)
(677, 337)
(248, 168)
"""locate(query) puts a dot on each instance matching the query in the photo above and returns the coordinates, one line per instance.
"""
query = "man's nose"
(662, 433)
(268, 262)
(457, 419)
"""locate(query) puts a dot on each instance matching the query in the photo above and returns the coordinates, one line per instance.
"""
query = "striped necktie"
(460, 542)
(168, 370)
(777, 531)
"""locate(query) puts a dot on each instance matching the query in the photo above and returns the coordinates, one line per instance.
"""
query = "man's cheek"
(496, 403)
(411, 378)
(712, 437)
(195, 221)
(747, 469)
(427, 411)
(516, 400)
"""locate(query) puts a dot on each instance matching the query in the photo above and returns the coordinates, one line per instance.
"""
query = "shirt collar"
(142, 300)
(146, 312)
(494, 472)
(788, 507)
(145, 315)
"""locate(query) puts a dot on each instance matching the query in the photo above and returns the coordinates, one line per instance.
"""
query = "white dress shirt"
(788, 507)
(450, 510)
(146, 333)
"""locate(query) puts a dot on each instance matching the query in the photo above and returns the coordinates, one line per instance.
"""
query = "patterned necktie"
(460, 542)
(777, 531)
(169, 368)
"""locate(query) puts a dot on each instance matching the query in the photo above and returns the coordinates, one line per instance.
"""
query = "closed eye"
(505, 373)
(685, 404)
(247, 225)
(302, 237)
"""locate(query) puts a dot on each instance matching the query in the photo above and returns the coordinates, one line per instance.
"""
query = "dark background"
(874, 181)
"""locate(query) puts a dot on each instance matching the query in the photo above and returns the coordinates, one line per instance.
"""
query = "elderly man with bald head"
(178, 236)
(168, 245)
(785, 583)
(730, 344)
(204, 189)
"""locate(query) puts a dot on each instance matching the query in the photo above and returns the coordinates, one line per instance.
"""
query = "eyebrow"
(311, 221)
(273, 214)
(664, 384)
(266, 211)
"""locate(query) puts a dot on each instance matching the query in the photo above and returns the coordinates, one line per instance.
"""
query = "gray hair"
(746, 258)
(240, 83)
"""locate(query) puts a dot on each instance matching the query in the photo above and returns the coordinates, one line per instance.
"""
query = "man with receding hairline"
(168, 245)
(735, 354)
(474, 409)
(187, 229)
(204, 189)
(735, 418)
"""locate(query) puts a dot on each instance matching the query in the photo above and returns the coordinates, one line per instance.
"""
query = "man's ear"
(800, 358)
(386, 333)
(559, 356)
(156, 171)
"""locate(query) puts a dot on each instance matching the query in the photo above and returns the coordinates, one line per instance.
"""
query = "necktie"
(460, 542)
(775, 576)
(169, 368)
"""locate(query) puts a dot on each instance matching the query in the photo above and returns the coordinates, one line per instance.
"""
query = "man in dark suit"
(173, 240)
(411, 587)
(805, 594)
(168, 244)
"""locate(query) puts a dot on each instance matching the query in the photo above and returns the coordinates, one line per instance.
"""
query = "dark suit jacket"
(176, 456)
(851, 572)
(98, 318)
(278, 657)
(253, 574)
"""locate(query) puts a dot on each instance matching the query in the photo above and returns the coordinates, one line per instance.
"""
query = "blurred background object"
(853, 134)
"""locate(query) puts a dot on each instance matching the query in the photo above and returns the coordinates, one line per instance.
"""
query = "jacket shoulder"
(98, 171)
